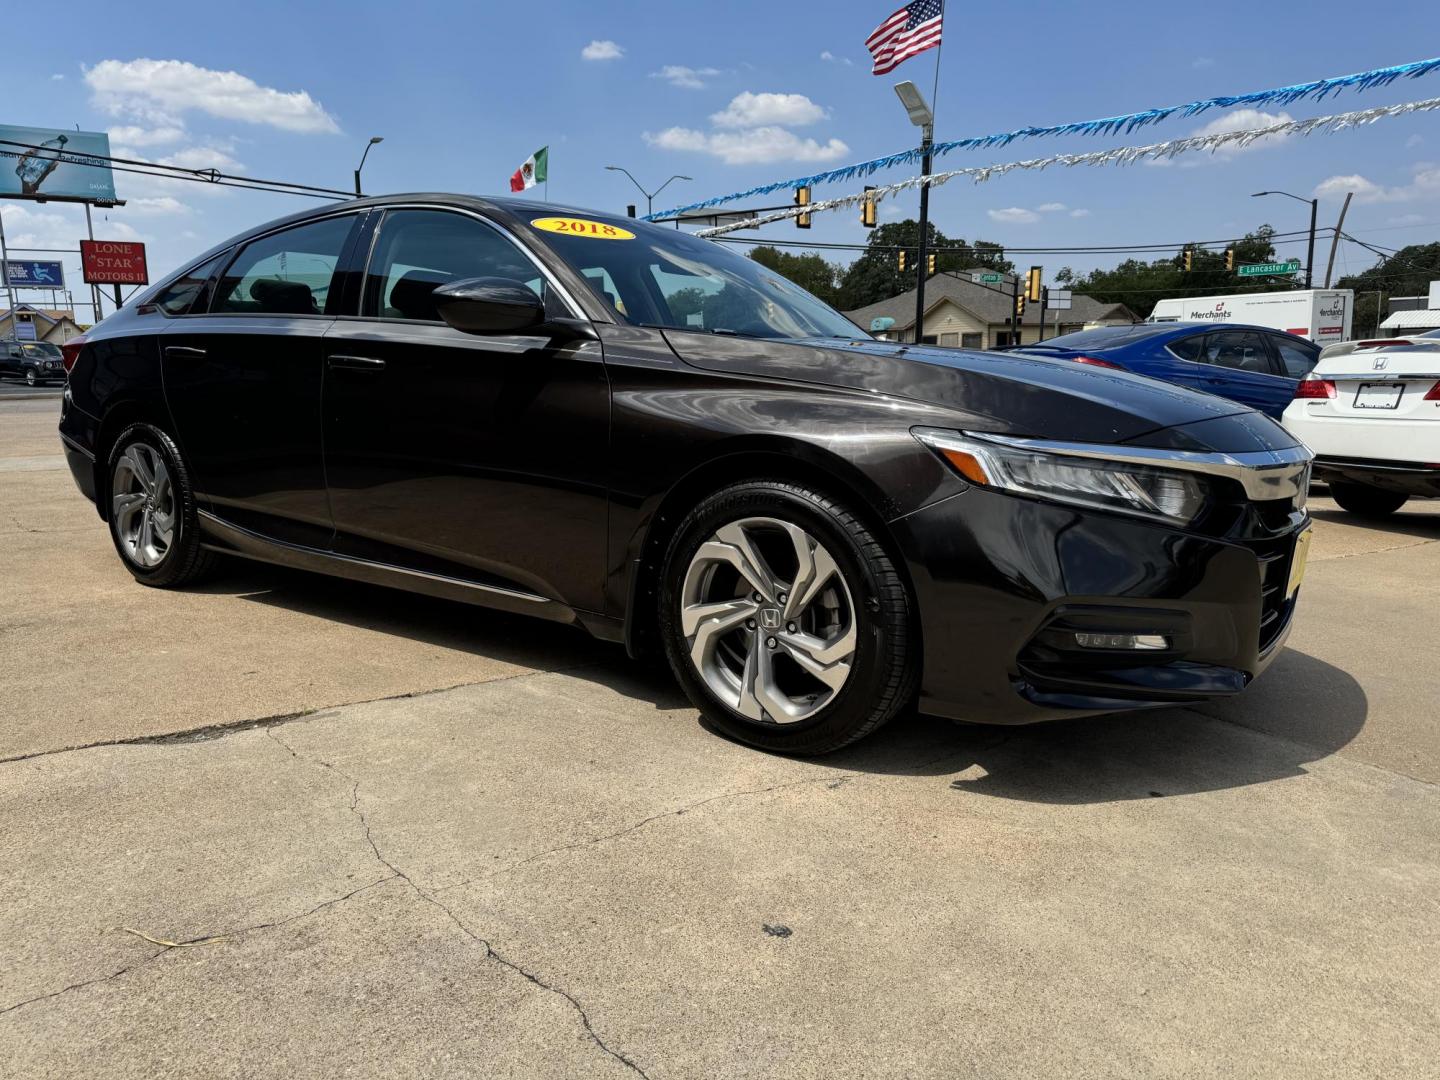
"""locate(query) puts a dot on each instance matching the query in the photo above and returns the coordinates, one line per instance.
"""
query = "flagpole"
(927, 141)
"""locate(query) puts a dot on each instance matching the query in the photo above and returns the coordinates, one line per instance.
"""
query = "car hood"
(1013, 393)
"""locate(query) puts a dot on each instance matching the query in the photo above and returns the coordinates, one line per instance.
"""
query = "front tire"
(154, 521)
(31, 379)
(785, 620)
(1367, 502)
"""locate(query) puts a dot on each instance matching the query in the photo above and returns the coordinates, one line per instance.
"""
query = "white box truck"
(1319, 315)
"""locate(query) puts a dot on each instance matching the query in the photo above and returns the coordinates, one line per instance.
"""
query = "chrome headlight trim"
(1264, 474)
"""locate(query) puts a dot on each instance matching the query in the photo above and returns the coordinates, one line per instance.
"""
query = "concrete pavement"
(554, 870)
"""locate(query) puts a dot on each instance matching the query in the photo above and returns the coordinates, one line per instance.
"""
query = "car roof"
(514, 208)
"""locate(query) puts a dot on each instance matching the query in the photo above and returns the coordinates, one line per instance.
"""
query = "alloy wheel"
(142, 504)
(768, 620)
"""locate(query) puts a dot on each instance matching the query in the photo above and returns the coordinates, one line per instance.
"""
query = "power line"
(160, 170)
(1297, 237)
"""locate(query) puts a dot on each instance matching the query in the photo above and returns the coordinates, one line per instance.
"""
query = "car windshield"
(1102, 337)
(42, 351)
(658, 277)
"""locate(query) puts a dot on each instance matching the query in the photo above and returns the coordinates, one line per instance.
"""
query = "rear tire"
(153, 517)
(828, 653)
(1366, 502)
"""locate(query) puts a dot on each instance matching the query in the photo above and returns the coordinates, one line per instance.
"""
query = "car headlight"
(1125, 487)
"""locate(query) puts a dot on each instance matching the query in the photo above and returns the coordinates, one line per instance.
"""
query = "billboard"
(113, 262)
(34, 274)
(52, 163)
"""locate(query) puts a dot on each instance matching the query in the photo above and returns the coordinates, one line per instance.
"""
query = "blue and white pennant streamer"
(1284, 95)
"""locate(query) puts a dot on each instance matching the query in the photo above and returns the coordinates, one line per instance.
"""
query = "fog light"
(1142, 642)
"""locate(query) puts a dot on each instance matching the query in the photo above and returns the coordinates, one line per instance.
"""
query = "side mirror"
(488, 305)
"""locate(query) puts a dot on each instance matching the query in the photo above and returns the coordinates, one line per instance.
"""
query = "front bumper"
(1005, 583)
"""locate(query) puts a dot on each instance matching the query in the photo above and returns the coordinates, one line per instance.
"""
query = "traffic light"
(867, 209)
(1032, 284)
(902, 262)
(930, 266)
(802, 198)
(1019, 305)
(1230, 258)
(1189, 263)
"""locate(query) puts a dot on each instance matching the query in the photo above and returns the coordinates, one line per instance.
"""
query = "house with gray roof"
(964, 313)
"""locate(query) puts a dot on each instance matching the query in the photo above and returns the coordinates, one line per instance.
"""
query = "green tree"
(811, 272)
(1406, 273)
(876, 275)
(1138, 284)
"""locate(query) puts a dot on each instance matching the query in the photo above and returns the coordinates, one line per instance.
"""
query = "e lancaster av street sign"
(1268, 269)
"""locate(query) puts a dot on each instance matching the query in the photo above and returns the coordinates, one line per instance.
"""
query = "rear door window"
(285, 273)
(1240, 350)
(1296, 357)
(182, 294)
(1188, 348)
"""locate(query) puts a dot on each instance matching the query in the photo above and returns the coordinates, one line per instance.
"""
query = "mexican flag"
(532, 172)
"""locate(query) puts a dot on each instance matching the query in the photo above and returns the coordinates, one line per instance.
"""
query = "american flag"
(911, 30)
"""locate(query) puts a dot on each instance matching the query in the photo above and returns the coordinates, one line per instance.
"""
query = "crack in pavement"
(1419, 542)
(490, 951)
(196, 940)
(208, 732)
(832, 779)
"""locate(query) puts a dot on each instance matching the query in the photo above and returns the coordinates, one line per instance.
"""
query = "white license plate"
(1379, 395)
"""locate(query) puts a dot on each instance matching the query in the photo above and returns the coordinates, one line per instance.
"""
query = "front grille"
(1274, 557)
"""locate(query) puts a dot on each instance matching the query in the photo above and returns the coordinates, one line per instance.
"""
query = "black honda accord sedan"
(598, 421)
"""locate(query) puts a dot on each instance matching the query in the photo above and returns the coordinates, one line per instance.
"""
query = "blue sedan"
(1254, 365)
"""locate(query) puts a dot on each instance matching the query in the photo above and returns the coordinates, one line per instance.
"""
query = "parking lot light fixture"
(923, 117)
(649, 195)
(374, 140)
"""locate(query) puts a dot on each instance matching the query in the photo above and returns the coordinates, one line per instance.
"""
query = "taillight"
(70, 352)
(1311, 387)
(1095, 361)
(1383, 341)
(1434, 394)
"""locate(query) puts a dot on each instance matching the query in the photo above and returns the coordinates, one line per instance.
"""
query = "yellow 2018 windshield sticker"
(572, 226)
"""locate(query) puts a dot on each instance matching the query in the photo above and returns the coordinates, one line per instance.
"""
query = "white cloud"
(1414, 141)
(1013, 215)
(132, 135)
(831, 58)
(1079, 211)
(1200, 63)
(25, 227)
(156, 206)
(57, 77)
(1424, 184)
(1051, 207)
(602, 50)
(686, 77)
(747, 110)
(760, 145)
(1406, 219)
(160, 90)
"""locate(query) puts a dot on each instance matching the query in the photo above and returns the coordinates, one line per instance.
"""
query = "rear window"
(1106, 337)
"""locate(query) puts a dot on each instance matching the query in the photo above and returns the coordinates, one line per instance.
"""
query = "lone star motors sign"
(113, 262)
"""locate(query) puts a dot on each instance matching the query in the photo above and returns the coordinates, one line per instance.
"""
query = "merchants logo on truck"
(1215, 314)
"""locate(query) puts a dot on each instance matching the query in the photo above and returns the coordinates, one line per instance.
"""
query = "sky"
(733, 96)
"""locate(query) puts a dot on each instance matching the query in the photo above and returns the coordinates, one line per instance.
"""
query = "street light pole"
(374, 139)
(1310, 248)
(923, 117)
(649, 195)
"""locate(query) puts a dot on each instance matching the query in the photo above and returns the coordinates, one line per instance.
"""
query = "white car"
(1340, 348)
(1372, 418)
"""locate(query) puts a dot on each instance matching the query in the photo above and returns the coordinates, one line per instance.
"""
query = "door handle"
(356, 363)
(183, 352)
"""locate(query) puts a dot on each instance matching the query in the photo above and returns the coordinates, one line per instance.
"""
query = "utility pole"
(94, 289)
(1040, 326)
(5, 272)
(1335, 240)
